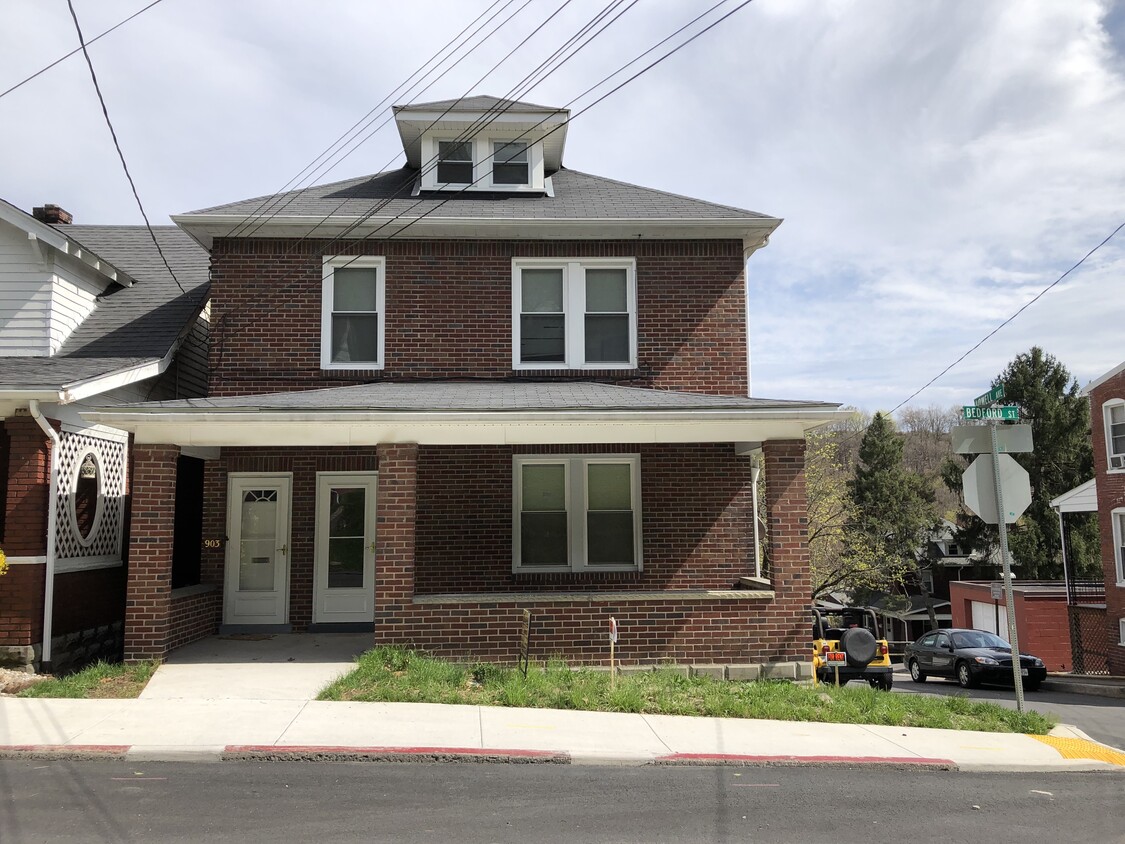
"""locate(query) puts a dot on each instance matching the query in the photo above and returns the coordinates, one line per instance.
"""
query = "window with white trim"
(455, 162)
(577, 513)
(352, 313)
(1121, 631)
(574, 314)
(1118, 518)
(1114, 412)
(510, 163)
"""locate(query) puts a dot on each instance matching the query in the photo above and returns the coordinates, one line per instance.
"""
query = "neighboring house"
(1107, 422)
(480, 384)
(88, 315)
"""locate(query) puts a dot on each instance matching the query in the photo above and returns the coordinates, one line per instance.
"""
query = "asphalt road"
(308, 801)
(1101, 718)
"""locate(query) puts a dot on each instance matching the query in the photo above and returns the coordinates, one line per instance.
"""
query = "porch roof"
(453, 412)
(1082, 499)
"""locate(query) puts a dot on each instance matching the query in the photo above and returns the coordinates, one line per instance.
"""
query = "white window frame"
(1110, 454)
(576, 499)
(1121, 632)
(482, 163)
(574, 310)
(438, 140)
(490, 161)
(331, 264)
(1117, 523)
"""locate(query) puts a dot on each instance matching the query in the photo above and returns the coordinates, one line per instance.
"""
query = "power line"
(41, 71)
(315, 168)
(1025, 306)
(120, 154)
(617, 88)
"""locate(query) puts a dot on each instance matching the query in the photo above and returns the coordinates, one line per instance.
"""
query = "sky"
(937, 164)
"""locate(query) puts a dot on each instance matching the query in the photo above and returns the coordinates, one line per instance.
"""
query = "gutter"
(52, 532)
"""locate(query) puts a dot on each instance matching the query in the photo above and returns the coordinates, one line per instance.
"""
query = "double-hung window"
(352, 313)
(1115, 433)
(455, 162)
(572, 314)
(577, 513)
(1118, 519)
(510, 163)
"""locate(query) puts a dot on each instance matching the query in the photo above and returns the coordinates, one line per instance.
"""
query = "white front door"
(257, 563)
(344, 562)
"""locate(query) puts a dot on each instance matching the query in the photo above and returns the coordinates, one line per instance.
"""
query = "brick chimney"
(52, 214)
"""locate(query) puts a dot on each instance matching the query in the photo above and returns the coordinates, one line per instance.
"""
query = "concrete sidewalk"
(216, 729)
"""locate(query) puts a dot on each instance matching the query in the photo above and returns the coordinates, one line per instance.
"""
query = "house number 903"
(212, 543)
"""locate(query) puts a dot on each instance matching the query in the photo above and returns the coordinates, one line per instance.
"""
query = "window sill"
(351, 367)
(584, 367)
(610, 597)
(524, 572)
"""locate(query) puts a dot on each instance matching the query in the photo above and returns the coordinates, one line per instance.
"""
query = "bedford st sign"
(1007, 411)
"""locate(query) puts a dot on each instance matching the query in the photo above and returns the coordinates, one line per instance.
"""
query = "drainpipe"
(1062, 541)
(52, 530)
(755, 471)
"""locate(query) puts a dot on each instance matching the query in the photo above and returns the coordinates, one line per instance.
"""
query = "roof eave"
(753, 231)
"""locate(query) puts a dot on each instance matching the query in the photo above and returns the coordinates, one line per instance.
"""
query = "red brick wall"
(695, 506)
(148, 595)
(448, 312)
(1042, 622)
(788, 547)
(21, 605)
(1111, 496)
(194, 615)
(29, 470)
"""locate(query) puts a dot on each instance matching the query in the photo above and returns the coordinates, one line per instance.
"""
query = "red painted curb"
(740, 759)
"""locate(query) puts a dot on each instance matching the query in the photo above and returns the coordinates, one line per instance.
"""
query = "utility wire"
(120, 154)
(617, 88)
(76, 49)
(314, 169)
(1026, 305)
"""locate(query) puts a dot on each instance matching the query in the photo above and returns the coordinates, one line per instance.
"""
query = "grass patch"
(100, 680)
(398, 675)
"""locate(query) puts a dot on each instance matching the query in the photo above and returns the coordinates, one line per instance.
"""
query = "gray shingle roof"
(482, 102)
(482, 396)
(129, 325)
(145, 319)
(55, 373)
(578, 196)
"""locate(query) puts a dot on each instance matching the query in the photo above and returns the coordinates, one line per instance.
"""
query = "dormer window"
(509, 163)
(455, 162)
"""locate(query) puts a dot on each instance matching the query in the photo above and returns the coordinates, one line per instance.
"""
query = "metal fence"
(1089, 631)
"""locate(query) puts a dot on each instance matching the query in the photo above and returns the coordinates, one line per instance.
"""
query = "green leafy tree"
(894, 507)
(1049, 400)
(840, 556)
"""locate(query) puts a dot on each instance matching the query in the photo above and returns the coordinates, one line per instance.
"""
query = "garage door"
(985, 615)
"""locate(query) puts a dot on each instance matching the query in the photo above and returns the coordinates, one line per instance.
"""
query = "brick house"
(479, 384)
(1107, 423)
(88, 314)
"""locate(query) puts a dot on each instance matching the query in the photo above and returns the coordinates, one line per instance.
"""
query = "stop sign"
(980, 488)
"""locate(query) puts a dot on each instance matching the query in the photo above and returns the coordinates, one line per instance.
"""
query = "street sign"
(991, 397)
(980, 488)
(1007, 411)
(976, 439)
(997, 592)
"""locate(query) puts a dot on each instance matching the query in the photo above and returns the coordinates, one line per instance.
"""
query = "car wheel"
(885, 682)
(916, 673)
(965, 677)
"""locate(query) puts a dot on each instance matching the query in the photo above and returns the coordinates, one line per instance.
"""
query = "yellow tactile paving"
(1074, 748)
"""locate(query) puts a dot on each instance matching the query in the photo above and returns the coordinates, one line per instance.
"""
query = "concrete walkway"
(251, 698)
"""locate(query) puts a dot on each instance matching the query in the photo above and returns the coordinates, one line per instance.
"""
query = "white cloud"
(937, 163)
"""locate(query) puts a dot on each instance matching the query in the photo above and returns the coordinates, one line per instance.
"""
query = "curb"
(1079, 688)
(317, 753)
(739, 760)
(64, 751)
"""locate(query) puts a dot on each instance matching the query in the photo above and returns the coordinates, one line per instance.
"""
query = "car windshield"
(978, 639)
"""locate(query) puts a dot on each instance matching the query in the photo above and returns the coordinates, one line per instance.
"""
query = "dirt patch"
(117, 687)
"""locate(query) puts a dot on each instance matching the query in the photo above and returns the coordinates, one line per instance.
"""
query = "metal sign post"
(612, 644)
(1002, 524)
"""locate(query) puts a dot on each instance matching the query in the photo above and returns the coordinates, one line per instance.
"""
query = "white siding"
(41, 301)
(25, 296)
